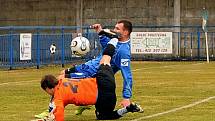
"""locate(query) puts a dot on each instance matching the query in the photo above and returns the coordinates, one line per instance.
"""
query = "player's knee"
(109, 50)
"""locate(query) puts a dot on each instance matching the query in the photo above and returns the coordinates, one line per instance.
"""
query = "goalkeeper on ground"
(98, 91)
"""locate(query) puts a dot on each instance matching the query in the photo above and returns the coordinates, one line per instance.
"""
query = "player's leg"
(107, 97)
(106, 100)
(106, 89)
(118, 113)
(107, 54)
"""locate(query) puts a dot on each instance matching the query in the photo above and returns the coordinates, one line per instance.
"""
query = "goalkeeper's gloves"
(51, 117)
(109, 33)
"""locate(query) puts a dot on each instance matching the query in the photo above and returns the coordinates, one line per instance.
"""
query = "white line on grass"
(162, 67)
(19, 82)
(175, 109)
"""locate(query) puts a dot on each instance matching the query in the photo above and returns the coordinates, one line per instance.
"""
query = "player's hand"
(50, 117)
(125, 102)
(97, 27)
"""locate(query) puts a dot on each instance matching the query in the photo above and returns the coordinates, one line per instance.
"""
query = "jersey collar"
(124, 41)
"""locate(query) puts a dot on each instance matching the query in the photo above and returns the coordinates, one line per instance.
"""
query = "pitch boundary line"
(162, 66)
(19, 82)
(175, 109)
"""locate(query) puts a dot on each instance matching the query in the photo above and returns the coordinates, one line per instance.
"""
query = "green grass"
(157, 87)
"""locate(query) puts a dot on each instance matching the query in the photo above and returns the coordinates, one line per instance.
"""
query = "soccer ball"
(80, 46)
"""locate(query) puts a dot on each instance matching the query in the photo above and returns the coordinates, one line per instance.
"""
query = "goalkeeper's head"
(48, 83)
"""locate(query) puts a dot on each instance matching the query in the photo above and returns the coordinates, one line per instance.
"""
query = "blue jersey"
(120, 61)
(90, 68)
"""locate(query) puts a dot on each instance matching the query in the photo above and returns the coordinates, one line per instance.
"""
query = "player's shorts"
(106, 100)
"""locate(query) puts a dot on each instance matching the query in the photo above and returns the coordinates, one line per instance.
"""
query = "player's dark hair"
(127, 25)
(48, 81)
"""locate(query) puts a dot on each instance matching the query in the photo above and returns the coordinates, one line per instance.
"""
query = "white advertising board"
(151, 42)
(25, 46)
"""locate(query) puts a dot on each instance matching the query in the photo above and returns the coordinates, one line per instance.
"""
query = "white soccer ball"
(80, 46)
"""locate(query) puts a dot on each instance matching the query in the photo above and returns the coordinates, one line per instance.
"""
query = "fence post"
(191, 45)
(185, 45)
(212, 44)
(179, 43)
(38, 50)
(87, 33)
(198, 35)
(62, 46)
(11, 48)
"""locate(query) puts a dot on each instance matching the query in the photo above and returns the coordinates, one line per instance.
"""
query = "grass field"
(168, 91)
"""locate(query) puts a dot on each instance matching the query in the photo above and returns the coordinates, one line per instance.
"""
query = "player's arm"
(103, 39)
(58, 110)
(127, 86)
(106, 35)
(127, 77)
(124, 65)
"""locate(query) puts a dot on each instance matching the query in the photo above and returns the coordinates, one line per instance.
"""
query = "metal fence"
(42, 39)
(189, 44)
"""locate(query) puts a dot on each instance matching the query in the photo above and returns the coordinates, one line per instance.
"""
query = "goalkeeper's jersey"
(73, 91)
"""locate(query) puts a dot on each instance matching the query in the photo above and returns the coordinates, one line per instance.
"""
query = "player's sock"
(122, 111)
(133, 107)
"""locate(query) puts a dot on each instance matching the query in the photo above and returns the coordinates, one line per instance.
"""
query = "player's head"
(124, 27)
(48, 83)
